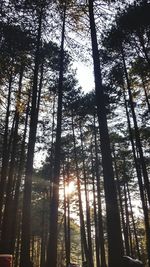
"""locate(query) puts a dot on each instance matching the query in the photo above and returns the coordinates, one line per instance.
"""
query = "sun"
(69, 189)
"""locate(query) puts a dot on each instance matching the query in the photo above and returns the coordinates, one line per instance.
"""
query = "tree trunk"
(53, 230)
(5, 156)
(126, 241)
(127, 224)
(115, 250)
(133, 222)
(44, 232)
(137, 134)
(17, 250)
(88, 217)
(26, 216)
(65, 221)
(51, 169)
(100, 219)
(141, 39)
(139, 176)
(97, 241)
(5, 246)
(84, 246)
(145, 92)
(67, 215)
(18, 183)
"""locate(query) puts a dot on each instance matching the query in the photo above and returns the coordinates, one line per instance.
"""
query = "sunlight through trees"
(74, 162)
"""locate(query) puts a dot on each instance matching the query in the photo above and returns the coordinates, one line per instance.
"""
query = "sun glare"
(69, 189)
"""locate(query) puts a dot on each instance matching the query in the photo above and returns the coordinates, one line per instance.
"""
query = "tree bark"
(18, 183)
(115, 250)
(5, 156)
(26, 216)
(5, 246)
(84, 245)
(133, 222)
(88, 217)
(100, 219)
(140, 182)
(97, 241)
(137, 134)
(53, 229)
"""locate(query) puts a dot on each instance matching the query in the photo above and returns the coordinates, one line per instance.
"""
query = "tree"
(53, 230)
(113, 220)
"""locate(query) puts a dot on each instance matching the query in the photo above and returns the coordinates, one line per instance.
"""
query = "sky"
(84, 76)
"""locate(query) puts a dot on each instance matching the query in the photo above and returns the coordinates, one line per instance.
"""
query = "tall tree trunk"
(126, 241)
(115, 250)
(133, 222)
(137, 134)
(140, 182)
(26, 216)
(100, 219)
(44, 230)
(67, 216)
(145, 92)
(65, 221)
(84, 246)
(17, 250)
(88, 217)
(5, 156)
(5, 244)
(127, 223)
(145, 51)
(51, 169)
(97, 241)
(53, 230)
(18, 183)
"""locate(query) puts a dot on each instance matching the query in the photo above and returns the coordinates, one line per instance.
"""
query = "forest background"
(88, 199)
